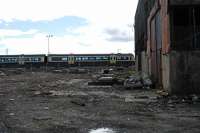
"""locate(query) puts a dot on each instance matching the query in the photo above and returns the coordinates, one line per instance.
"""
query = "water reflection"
(102, 130)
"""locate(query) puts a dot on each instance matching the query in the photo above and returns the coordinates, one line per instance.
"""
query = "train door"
(21, 60)
(113, 59)
(71, 60)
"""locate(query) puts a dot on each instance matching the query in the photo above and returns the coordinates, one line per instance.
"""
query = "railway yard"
(61, 101)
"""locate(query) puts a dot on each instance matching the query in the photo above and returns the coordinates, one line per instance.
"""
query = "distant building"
(167, 43)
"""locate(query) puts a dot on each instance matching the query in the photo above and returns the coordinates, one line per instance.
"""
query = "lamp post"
(7, 51)
(48, 38)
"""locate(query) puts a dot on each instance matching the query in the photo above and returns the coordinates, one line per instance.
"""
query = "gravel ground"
(56, 102)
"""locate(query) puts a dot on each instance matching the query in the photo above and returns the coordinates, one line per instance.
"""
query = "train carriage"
(38, 60)
(66, 60)
(92, 60)
(125, 60)
(22, 60)
(9, 60)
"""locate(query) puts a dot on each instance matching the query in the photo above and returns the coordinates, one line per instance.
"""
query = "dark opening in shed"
(185, 27)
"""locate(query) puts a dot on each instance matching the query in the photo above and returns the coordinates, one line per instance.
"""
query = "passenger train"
(66, 60)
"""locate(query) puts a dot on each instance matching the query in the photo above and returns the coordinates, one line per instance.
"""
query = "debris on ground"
(162, 93)
(42, 93)
(78, 102)
(106, 71)
(104, 81)
(134, 82)
(11, 114)
(138, 81)
(147, 82)
(57, 71)
(2, 73)
(3, 128)
(48, 102)
(78, 71)
(41, 118)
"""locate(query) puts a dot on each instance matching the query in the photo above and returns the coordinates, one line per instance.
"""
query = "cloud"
(102, 11)
(87, 38)
(84, 43)
(56, 27)
(2, 45)
(116, 35)
(7, 33)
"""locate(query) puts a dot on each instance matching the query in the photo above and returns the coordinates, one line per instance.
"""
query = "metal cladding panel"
(165, 27)
(153, 36)
(184, 2)
(158, 31)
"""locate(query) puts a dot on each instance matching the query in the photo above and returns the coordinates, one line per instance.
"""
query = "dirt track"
(47, 102)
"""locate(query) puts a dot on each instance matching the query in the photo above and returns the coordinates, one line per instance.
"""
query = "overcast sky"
(77, 26)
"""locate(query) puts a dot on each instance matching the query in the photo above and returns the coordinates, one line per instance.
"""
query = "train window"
(92, 58)
(105, 58)
(65, 59)
(9, 60)
(26, 59)
(37, 59)
(56, 58)
(78, 58)
(13, 59)
(31, 59)
(85, 58)
(122, 58)
(98, 58)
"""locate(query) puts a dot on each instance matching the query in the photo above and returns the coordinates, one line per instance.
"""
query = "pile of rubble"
(138, 81)
(2, 73)
(71, 70)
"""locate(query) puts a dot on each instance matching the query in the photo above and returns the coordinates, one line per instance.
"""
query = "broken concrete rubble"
(78, 102)
(53, 103)
(2, 73)
(138, 81)
(147, 82)
(78, 71)
(133, 82)
(104, 81)
(106, 71)
(3, 128)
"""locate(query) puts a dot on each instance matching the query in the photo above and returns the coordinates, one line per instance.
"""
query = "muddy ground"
(62, 102)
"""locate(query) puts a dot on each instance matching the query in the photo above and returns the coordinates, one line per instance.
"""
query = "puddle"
(102, 130)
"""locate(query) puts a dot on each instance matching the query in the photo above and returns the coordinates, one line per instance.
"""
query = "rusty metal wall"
(172, 68)
(154, 28)
(152, 38)
(165, 27)
(141, 16)
(143, 10)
